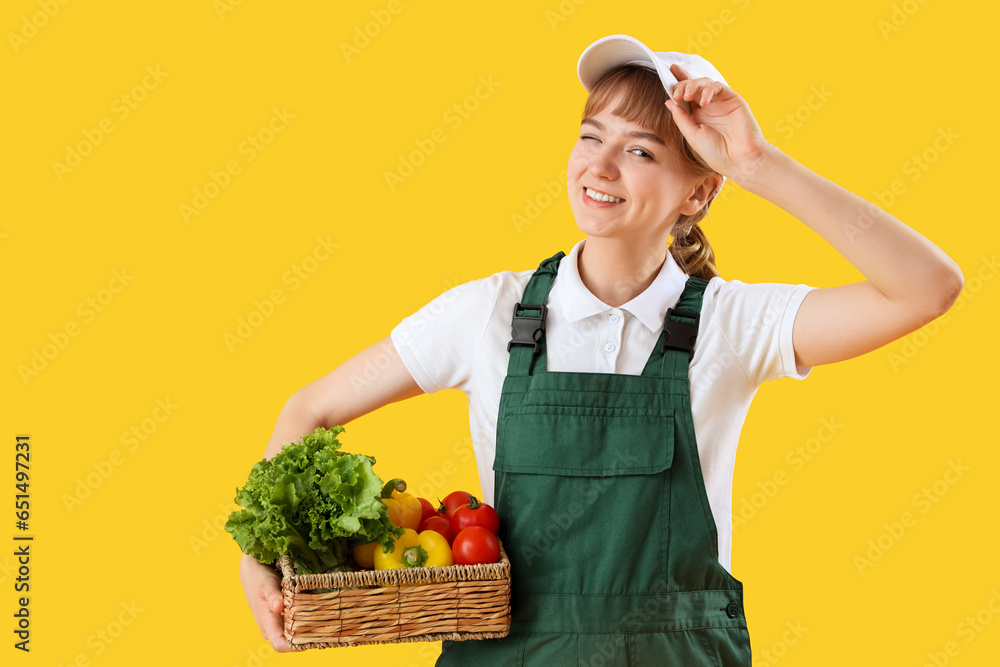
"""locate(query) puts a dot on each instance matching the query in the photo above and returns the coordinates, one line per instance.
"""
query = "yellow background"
(148, 535)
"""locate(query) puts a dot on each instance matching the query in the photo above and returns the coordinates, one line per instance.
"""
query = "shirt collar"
(649, 307)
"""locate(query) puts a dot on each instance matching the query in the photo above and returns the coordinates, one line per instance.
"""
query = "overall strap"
(527, 344)
(674, 349)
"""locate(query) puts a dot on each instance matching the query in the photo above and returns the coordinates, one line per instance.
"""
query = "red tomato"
(438, 524)
(453, 501)
(428, 509)
(475, 514)
(475, 545)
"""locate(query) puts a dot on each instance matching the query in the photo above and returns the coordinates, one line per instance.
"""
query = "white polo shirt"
(459, 340)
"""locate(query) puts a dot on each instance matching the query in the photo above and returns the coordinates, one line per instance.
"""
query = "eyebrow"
(636, 135)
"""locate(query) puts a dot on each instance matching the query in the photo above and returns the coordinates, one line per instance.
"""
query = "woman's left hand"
(720, 127)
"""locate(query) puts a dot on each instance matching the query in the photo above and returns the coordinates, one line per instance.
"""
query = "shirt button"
(615, 318)
(733, 609)
(610, 347)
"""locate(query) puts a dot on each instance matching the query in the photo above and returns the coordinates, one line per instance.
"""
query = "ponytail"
(691, 249)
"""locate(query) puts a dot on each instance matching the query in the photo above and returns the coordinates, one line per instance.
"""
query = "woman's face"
(624, 160)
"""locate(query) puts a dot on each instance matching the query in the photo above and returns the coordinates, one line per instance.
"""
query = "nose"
(603, 165)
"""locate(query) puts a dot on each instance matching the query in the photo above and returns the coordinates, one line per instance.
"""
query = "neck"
(615, 271)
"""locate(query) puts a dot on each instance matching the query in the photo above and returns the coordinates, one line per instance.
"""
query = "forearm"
(295, 420)
(906, 267)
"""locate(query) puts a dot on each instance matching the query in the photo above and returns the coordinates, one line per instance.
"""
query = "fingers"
(682, 119)
(267, 612)
(272, 626)
(263, 593)
(701, 91)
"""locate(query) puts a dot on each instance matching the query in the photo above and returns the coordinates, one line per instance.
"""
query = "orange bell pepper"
(404, 509)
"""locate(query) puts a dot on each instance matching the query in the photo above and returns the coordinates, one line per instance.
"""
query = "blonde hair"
(642, 103)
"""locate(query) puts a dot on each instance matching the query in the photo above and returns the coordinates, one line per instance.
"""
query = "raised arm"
(910, 281)
(370, 379)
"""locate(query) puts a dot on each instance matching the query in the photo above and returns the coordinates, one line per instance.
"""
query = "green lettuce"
(313, 503)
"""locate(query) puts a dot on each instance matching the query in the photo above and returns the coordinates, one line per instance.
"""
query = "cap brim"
(608, 53)
(613, 51)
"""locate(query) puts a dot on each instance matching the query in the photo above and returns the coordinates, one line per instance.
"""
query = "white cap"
(610, 52)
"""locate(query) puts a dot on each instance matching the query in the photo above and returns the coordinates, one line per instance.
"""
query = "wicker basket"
(421, 604)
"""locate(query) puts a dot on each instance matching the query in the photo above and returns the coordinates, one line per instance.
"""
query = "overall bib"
(603, 511)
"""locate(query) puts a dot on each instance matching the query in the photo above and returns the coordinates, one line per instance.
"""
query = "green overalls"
(603, 511)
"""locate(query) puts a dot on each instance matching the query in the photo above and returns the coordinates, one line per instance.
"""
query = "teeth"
(600, 196)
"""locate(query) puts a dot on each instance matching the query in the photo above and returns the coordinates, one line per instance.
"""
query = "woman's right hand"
(261, 585)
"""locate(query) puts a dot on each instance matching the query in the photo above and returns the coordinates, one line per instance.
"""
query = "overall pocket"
(583, 494)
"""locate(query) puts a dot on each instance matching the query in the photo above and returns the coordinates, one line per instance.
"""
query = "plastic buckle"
(679, 335)
(527, 329)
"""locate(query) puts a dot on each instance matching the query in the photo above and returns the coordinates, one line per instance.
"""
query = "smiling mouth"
(601, 197)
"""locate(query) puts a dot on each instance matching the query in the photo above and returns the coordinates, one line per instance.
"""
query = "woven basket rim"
(394, 577)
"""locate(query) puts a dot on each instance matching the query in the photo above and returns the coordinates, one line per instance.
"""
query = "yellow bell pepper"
(438, 549)
(404, 509)
(426, 549)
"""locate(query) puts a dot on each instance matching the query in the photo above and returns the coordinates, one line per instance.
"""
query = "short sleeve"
(757, 319)
(438, 343)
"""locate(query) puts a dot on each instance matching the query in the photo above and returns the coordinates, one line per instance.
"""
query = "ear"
(701, 193)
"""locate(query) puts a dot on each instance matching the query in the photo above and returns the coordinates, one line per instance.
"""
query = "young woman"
(607, 388)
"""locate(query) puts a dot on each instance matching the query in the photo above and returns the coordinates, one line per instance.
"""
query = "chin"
(590, 229)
